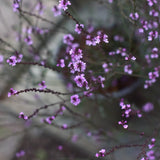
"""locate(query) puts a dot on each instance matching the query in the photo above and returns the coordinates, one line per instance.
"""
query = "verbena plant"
(111, 73)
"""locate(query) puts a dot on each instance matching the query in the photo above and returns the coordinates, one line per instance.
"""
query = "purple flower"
(76, 54)
(19, 58)
(105, 38)
(75, 100)
(64, 4)
(154, 53)
(61, 63)
(110, 1)
(101, 153)
(12, 60)
(79, 28)
(56, 10)
(127, 69)
(11, 92)
(39, 7)
(81, 81)
(21, 115)
(134, 16)
(79, 66)
(16, 5)
(153, 13)
(148, 107)
(101, 80)
(20, 154)
(67, 39)
(151, 2)
(50, 119)
(152, 35)
(123, 123)
(150, 155)
(42, 85)
(60, 147)
(1, 59)
(64, 126)
(28, 40)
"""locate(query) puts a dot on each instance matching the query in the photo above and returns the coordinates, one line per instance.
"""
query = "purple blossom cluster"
(101, 153)
(150, 154)
(16, 5)
(127, 111)
(22, 116)
(134, 16)
(11, 92)
(63, 5)
(153, 76)
(13, 60)
(42, 85)
(95, 40)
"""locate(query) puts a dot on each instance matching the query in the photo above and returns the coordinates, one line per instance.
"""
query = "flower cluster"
(16, 5)
(11, 92)
(150, 155)
(63, 5)
(126, 113)
(13, 60)
(21, 115)
(152, 77)
(42, 85)
(101, 153)
(95, 40)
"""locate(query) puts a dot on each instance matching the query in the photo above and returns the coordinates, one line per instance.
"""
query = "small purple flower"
(79, 28)
(12, 60)
(152, 35)
(42, 85)
(28, 40)
(153, 13)
(11, 92)
(21, 115)
(19, 58)
(61, 63)
(16, 5)
(101, 153)
(127, 69)
(79, 66)
(40, 7)
(110, 1)
(56, 10)
(64, 4)
(75, 100)
(148, 107)
(50, 119)
(76, 54)
(64, 126)
(1, 59)
(20, 154)
(134, 16)
(81, 81)
(123, 123)
(60, 147)
(101, 80)
(105, 38)
(151, 2)
(154, 53)
(67, 39)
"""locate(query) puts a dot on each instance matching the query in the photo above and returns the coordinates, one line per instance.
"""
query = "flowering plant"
(110, 69)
